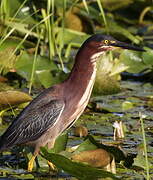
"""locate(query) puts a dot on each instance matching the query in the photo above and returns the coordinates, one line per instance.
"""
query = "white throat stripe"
(96, 55)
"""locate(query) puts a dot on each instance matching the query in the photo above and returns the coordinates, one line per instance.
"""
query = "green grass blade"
(103, 14)
(25, 37)
(86, 6)
(34, 65)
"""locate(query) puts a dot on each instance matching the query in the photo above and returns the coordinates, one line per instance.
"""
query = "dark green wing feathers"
(32, 123)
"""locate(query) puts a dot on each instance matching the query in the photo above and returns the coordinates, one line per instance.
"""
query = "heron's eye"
(106, 41)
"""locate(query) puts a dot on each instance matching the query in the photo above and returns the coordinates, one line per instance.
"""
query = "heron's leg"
(31, 162)
(51, 165)
(51, 145)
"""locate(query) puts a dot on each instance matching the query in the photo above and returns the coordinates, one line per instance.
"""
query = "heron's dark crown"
(99, 38)
(104, 42)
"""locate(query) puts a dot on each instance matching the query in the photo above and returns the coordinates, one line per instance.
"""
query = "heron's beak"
(126, 46)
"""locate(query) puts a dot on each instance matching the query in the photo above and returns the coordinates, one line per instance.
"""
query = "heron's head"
(98, 44)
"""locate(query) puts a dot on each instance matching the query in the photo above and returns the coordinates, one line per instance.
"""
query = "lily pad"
(95, 158)
(8, 98)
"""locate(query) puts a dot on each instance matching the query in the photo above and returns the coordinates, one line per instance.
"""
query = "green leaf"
(42, 69)
(60, 143)
(71, 36)
(126, 105)
(86, 145)
(117, 29)
(107, 76)
(140, 160)
(112, 5)
(148, 56)
(79, 170)
(8, 59)
(45, 77)
(134, 60)
(91, 144)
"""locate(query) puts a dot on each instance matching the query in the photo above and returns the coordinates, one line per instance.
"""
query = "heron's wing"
(32, 124)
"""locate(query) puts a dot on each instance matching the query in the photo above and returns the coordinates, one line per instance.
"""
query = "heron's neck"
(83, 69)
(83, 73)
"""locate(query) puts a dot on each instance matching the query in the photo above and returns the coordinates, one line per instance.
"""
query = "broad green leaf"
(86, 145)
(118, 67)
(21, 27)
(60, 143)
(134, 61)
(42, 68)
(140, 160)
(126, 105)
(107, 77)
(148, 57)
(120, 30)
(71, 36)
(45, 77)
(10, 43)
(16, 5)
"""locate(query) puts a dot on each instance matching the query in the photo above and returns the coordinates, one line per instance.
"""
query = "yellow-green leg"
(51, 165)
(31, 162)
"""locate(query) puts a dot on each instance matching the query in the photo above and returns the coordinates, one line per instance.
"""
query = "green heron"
(59, 106)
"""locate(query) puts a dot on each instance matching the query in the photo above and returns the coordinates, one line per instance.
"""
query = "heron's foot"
(51, 166)
(30, 163)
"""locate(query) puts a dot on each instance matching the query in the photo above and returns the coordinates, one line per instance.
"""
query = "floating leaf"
(79, 170)
(80, 131)
(140, 160)
(95, 158)
(85, 145)
(126, 105)
(8, 98)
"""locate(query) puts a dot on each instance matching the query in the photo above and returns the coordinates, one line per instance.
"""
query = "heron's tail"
(2, 147)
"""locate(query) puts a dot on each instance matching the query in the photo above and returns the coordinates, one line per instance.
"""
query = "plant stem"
(50, 28)
(34, 65)
(145, 145)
